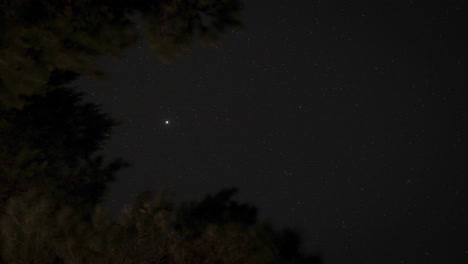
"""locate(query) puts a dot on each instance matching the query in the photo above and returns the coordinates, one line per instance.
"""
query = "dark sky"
(344, 119)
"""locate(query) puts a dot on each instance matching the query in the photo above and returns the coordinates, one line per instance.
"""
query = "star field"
(345, 120)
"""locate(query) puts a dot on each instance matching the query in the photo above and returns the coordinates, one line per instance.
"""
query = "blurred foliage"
(38, 230)
(174, 25)
(41, 38)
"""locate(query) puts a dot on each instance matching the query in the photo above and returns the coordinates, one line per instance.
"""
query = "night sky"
(343, 119)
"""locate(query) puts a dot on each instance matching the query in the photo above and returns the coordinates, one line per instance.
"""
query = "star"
(167, 122)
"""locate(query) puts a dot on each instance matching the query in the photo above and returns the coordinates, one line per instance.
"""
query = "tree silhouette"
(52, 142)
(148, 232)
(42, 38)
(174, 25)
(218, 210)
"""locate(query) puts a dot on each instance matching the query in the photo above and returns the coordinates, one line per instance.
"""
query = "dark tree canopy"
(41, 39)
(148, 232)
(56, 137)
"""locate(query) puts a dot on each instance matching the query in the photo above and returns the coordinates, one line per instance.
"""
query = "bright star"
(167, 122)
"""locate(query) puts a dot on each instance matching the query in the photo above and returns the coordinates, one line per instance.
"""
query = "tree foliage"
(38, 230)
(43, 38)
(52, 142)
